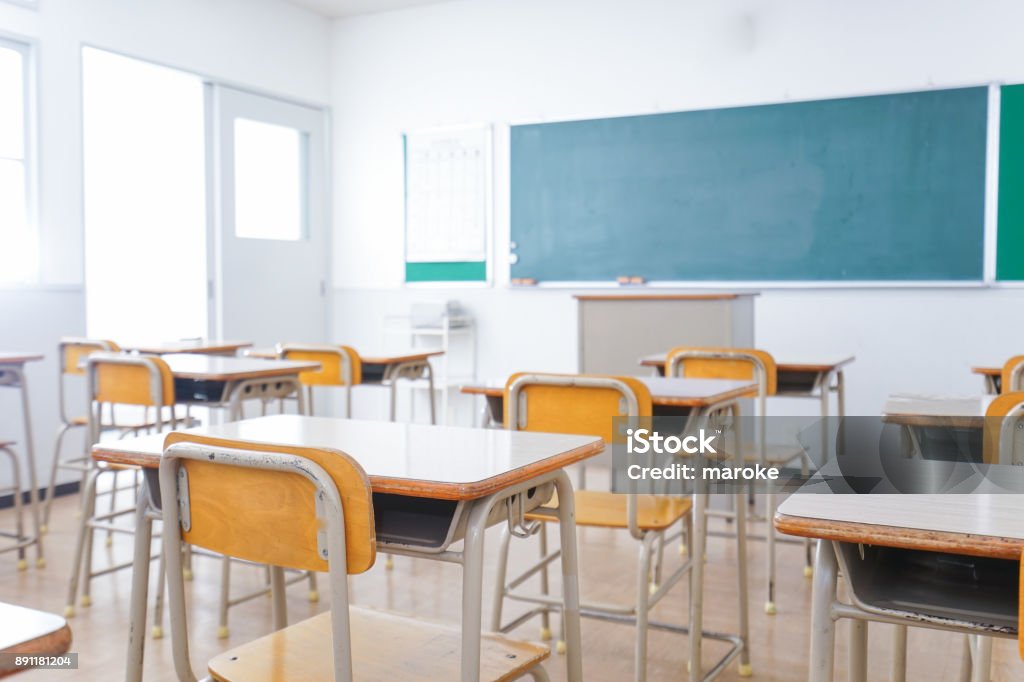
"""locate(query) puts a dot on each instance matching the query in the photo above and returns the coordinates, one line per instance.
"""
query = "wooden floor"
(431, 589)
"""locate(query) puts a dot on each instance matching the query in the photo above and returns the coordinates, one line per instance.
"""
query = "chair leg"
(52, 485)
(539, 674)
(982, 666)
(90, 536)
(499, 581)
(743, 587)
(314, 593)
(88, 498)
(769, 604)
(158, 602)
(186, 566)
(115, 476)
(965, 661)
(225, 587)
(643, 596)
(545, 616)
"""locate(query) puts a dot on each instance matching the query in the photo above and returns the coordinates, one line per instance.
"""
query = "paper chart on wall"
(446, 194)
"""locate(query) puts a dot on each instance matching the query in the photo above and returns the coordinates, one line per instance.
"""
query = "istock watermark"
(853, 455)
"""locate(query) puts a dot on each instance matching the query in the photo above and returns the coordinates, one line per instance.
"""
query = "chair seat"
(608, 510)
(385, 647)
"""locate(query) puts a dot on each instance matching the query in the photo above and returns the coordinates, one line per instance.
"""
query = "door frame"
(214, 203)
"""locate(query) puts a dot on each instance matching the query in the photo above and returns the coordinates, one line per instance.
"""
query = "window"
(269, 181)
(18, 240)
(145, 199)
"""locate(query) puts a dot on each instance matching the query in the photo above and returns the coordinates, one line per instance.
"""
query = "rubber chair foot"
(85, 601)
(186, 574)
(746, 670)
(69, 611)
(683, 550)
(222, 632)
(389, 563)
(40, 562)
(652, 588)
(22, 565)
(44, 529)
(560, 647)
(769, 608)
(110, 541)
(545, 634)
(808, 571)
(158, 632)
(313, 596)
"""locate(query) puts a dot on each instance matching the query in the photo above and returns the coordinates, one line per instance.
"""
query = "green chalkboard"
(1010, 241)
(878, 188)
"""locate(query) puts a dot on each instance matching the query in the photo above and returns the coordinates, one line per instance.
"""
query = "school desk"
(993, 376)
(935, 426)
(808, 377)
(949, 562)
(694, 399)
(671, 396)
(220, 381)
(31, 633)
(201, 346)
(432, 486)
(12, 375)
(387, 369)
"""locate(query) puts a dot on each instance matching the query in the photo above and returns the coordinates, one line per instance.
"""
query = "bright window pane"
(12, 104)
(145, 200)
(269, 181)
(16, 237)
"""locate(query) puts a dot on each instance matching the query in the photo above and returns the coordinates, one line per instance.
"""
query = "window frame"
(28, 48)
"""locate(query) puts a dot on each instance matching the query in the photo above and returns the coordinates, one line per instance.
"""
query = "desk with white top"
(432, 487)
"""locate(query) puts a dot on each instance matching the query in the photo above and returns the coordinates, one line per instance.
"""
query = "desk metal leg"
(570, 578)
(858, 651)
(14, 376)
(823, 624)
(697, 540)
(899, 654)
(140, 588)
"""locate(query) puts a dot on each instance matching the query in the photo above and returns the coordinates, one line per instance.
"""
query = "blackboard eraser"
(630, 280)
(524, 282)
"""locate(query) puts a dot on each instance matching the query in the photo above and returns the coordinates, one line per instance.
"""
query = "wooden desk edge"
(659, 400)
(414, 487)
(19, 358)
(949, 421)
(903, 538)
(659, 297)
(395, 359)
(51, 644)
(253, 374)
(987, 370)
(782, 366)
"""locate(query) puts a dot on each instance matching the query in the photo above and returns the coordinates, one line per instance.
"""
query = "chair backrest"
(339, 365)
(142, 380)
(74, 350)
(271, 516)
(1011, 375)
(288, 507)
(724, 363)
(1002, 416)
(581, 404)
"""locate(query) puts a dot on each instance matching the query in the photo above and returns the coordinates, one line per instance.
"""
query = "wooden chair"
(587, 404)
(1012, 378)
(230, 496)
(70, 353)
(759, 366)
(1003, 419)
(143, 382)
(339, 366)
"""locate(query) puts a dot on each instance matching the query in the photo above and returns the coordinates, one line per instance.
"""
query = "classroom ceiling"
(348, 8)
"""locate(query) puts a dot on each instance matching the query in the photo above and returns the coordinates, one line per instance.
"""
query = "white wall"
(509, 61)
(263, 44)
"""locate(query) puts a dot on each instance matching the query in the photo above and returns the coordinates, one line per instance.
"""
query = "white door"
(269, 250)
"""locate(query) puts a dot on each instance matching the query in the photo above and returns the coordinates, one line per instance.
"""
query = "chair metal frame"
(648, 592)
(328, 501)
(676, 362)
(90, 521)
(344, 366)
